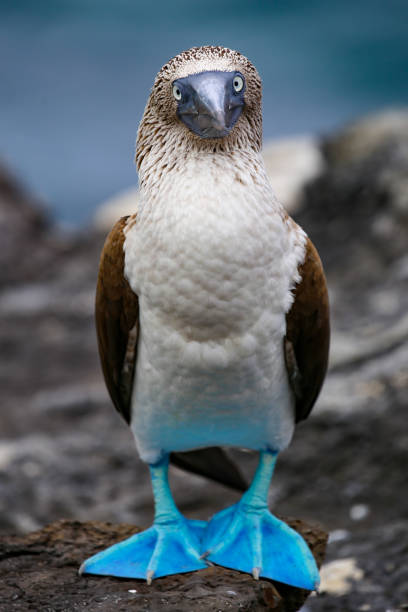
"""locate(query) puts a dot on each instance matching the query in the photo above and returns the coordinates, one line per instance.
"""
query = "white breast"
(213, 260)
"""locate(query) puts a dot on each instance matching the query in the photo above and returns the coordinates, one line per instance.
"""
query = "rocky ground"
(39, 571)
(64, 453)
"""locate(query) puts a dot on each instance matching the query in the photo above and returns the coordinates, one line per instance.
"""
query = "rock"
(23, 224)
(289, 162)
(353, 579)
(360, 139)
(31, 246)
(41, 570)
(356, 213)
(20, 212)
(357, 209)
(337, 576)
(108, 212)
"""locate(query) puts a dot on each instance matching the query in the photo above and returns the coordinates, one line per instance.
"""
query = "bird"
(212, 318)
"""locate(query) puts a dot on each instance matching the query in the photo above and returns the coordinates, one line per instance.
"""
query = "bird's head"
(205, 98)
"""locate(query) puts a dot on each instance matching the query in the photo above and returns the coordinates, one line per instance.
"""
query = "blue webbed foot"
(252, 540)
(171, 547)
(249, 538)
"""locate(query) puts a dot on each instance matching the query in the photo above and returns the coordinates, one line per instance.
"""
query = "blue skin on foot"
(170, 546)
(253, 540)
(247, 537)
(163, 549)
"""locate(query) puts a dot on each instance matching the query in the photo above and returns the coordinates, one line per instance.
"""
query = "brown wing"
(306, 344)
(117, 326)
(117, 321)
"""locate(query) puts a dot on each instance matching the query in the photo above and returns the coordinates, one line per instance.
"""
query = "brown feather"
(117, 321)
(306, 345)
(212, 462)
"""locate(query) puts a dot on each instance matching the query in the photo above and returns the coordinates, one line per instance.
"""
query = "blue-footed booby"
(213, 322)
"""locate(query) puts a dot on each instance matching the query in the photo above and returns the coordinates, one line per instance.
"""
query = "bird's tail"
(212, 462)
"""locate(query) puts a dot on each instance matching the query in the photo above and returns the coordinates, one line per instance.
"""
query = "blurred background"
(75, 76)
(74, 79)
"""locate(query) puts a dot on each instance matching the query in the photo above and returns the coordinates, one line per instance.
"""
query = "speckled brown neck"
(161, 134)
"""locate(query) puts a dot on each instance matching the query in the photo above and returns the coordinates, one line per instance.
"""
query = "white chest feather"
(213, 261)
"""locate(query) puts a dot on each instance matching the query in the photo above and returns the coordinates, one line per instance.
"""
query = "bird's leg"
(164, 507)
(170, 546)
(257, 494)
(249, 538)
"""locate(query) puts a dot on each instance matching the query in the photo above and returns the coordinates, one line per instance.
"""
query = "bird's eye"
(177, 92)
(238, 83)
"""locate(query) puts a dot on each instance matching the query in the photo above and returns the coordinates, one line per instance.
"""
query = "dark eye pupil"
(178, 92)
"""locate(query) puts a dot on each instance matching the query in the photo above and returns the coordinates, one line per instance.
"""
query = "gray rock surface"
(39, 571)
(64, 453)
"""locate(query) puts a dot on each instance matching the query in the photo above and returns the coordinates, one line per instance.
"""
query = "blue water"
(75, 75)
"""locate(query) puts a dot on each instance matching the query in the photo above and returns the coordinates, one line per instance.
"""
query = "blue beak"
(209, 105)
